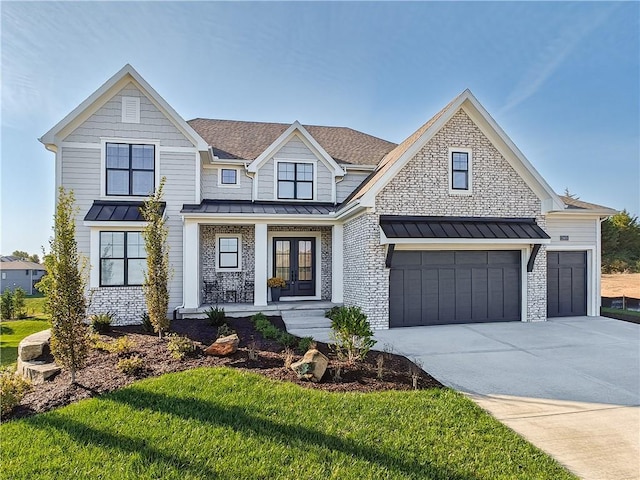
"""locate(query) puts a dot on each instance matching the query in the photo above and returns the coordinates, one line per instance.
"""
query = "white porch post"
(261, 249)
(337, 262)
(190, 269)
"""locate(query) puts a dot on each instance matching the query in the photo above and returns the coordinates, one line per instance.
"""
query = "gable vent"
(130, 109)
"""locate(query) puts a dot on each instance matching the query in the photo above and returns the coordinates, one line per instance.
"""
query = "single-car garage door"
(566, 284)
(440, 287)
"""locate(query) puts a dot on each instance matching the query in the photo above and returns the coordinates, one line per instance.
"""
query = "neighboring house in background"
(16, 273)
(452, 225)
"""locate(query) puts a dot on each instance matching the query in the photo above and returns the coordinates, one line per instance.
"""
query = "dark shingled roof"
(247, 140)
(115, 211)
(400, 226)
(248, 207)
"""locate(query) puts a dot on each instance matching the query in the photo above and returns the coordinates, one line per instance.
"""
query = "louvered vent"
(130, 109)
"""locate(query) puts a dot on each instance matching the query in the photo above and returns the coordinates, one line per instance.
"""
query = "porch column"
(190, 269)
(337, 263)
(261, 249)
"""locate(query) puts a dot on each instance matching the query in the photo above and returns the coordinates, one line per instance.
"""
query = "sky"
(561, 79)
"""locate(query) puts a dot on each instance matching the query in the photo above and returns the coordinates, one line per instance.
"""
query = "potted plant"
(276, 284)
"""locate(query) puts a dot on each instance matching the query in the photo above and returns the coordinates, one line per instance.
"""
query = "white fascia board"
(581, 214)
(221, 162)
(103, 94)
(307, 139)
(363, 168)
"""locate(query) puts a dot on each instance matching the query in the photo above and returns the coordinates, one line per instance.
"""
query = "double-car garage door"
(440, 287)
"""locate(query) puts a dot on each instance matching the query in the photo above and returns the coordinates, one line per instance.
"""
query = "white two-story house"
(453, 225)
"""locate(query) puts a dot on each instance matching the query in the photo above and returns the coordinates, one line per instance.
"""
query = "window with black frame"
(295, 181)
(123, 259)
(460, 171)
(130, 169)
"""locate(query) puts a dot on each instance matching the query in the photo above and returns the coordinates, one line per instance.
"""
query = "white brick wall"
(422, 188)
(126, 303)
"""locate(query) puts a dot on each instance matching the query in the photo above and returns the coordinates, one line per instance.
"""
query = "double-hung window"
(229, 252)
(460, 170)
(123, 259)
(295, 181)
(130, 169)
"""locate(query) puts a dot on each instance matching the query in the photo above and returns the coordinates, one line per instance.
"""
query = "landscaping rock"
(312, 366)
(37, 372)
(224, 346)
(32, 346)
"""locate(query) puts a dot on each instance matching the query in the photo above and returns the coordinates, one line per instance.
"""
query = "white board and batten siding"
(211, 189)
(294, 150)
(572, 231)
(81, 170)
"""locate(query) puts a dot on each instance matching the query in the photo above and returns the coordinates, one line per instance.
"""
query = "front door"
(294, 260)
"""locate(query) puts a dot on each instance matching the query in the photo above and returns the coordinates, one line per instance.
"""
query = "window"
(27, 272)
(4, 275)
(130, 169)
(460, 171)
(228, 176)
(229, 252)
(123, 259)
(295, 180)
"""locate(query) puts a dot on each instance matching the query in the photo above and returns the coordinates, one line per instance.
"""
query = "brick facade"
(126, 303)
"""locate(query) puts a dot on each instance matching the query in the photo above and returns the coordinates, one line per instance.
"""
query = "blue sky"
(562, 79)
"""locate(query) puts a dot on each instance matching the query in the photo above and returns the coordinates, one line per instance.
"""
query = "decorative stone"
(37, 372)
(312, 366)
(224, 346)
(32, 346)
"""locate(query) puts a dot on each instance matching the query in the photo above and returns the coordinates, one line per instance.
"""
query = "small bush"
(225, 330)
(352, 334)
(131, 366)
(6, 305)
(215, 316)
(332, 312)
(286, 339)
(101, 322)
(306, 343)
(258, 316)
(147, 326)
(262, 324)
(270, 332)
(180, 346)
(19, 304)
(121, 346)
(12, 389)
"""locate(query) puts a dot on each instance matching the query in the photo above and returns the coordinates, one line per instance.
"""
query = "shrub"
(6, 304)
(225, 330)
(180, 346)
(270, 332)
(12, 389)
(351, 333)
(19, 304)
(258, 316)
(101, 322)
(306, 343)
(147, 326)
(122, 345)
(131, 366)
(215, 316)
(262, 324)
(332, 312)
(286, 339)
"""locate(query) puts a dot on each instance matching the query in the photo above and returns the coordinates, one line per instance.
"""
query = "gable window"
(229, 258)
(460, 170)
(130, 169)
(123, 259)
(228, 176)
(295, 181)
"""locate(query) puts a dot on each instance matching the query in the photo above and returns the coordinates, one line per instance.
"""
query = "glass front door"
(294, 261)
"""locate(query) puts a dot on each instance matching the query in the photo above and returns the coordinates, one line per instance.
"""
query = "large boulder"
(224, 346)
(312, 366)
(33, 346)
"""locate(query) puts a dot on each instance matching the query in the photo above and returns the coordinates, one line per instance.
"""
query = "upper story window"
(295, 180)
(130, 169)
(122, 259)
(459, 170)
(228, 177)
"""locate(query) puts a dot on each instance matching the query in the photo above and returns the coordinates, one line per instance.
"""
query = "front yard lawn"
(230, 424)
(12, 331)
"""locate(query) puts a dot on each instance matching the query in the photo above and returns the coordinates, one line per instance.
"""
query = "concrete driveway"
(570, 386)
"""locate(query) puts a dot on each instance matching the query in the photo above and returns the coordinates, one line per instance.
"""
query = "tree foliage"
(156, 278)
(621, 243)
(64, 289)
(22, 255)
(6, 305)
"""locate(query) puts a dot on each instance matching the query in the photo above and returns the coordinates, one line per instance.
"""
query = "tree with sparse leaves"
(567, 193)
(156, 278)
(65, 288)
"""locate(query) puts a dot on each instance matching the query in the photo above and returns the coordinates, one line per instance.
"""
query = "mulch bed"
(101, 374)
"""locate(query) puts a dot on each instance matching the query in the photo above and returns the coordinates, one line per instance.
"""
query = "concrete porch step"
(306, 322)
(318, 334)
(304, 313)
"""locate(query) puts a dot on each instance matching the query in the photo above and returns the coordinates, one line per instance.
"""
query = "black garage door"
(566, 284)
(432, 288)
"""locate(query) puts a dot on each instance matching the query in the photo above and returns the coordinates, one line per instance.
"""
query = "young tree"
(19, 304)
(6, 305)
(65, 287)
(156, 278)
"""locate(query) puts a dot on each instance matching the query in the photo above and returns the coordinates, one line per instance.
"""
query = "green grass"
(226, 424)
(631, 313)
(12, 331)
